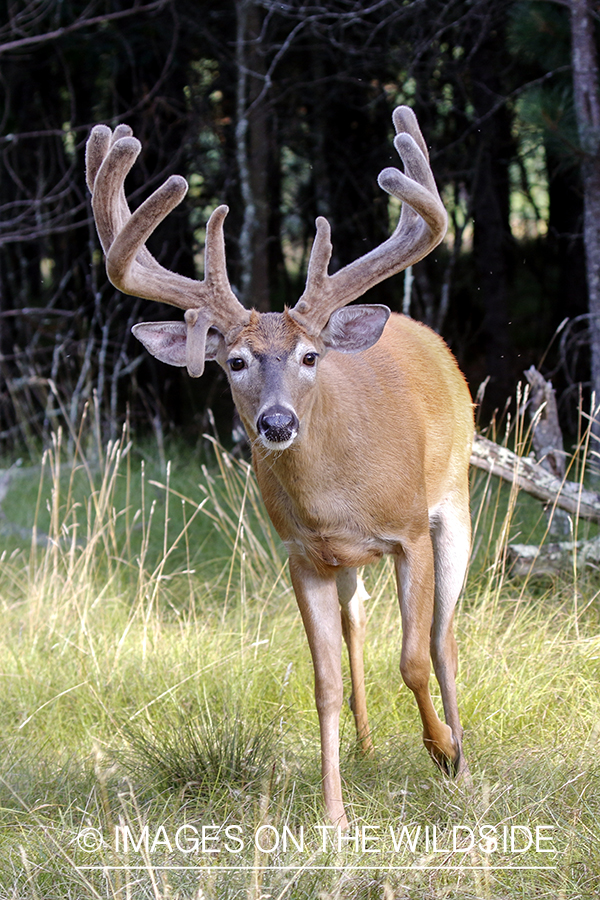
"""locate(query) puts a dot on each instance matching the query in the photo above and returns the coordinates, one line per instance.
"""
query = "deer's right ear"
(166, 341)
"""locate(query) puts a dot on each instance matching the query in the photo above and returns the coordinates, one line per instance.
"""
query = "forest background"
(282, 110)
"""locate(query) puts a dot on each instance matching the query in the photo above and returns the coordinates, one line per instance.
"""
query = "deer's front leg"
(352, 593)
(319, 606)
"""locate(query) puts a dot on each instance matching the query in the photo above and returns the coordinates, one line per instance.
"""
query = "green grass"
(156, 682)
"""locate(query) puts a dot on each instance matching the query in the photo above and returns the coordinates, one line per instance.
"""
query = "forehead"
(269, 333)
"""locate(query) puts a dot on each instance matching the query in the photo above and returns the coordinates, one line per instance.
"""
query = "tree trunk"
(490, 192)
(587, 108)
(547, 439)
(253, 157)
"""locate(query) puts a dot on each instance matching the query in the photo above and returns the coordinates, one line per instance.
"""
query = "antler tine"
(129, 264)
(98, 144)
(422, 225)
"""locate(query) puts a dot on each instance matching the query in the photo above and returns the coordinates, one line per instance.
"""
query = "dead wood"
(531, 477)
(550, 559)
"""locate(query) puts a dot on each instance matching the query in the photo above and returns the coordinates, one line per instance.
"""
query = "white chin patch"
(277, 445)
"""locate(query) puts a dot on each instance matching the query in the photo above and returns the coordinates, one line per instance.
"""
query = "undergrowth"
(157, 725)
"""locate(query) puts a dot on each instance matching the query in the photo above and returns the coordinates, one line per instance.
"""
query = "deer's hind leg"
(451, 536)
(415, 575)
(351, 594)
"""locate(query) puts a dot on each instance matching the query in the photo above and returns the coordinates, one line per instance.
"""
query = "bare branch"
(81, 23)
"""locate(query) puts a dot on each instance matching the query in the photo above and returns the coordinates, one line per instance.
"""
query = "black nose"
(277, 424)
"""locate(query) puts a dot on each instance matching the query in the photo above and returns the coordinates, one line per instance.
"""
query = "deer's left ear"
(354, 328)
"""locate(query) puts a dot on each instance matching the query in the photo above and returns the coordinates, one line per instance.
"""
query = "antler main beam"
(131, 267)
(422, 225)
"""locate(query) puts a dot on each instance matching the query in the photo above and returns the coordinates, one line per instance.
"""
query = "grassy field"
(157, 723)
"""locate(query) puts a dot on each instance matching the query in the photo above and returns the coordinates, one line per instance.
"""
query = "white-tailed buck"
(360, 424)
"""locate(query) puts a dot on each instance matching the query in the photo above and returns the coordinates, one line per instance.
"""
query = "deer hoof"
(451, 764)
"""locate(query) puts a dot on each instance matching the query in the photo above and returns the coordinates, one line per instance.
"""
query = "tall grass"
(156, 682)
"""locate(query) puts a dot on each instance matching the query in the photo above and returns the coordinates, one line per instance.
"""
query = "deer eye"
(236, 364)
(310, 359)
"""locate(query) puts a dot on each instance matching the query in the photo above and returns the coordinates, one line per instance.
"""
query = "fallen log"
(551, 559)
(531, 477)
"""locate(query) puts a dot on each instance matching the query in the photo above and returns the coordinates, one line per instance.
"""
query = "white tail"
(360, 422)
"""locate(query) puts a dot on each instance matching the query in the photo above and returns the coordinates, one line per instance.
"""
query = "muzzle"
(277, 425)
